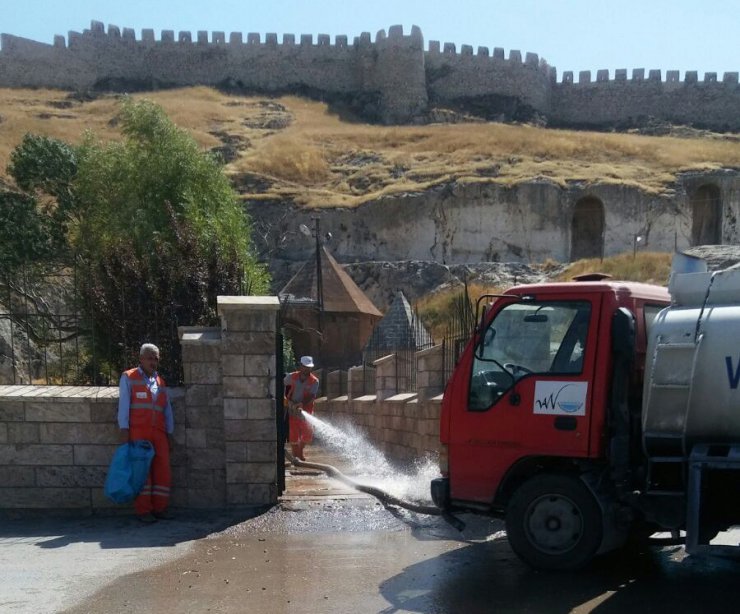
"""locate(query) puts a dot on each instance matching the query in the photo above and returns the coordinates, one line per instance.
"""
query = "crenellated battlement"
(691, 77)
(97, 34)
(391, 77)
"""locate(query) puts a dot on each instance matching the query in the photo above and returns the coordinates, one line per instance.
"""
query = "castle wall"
(391, 79)
(622, 102)
(489, 85)
(389, 72)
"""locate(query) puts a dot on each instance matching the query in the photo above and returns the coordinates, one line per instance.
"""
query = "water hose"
(381, 495)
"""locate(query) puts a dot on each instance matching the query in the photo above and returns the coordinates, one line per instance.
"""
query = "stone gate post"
(248, 342)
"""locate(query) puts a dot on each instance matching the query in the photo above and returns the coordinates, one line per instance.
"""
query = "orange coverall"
(146, 421)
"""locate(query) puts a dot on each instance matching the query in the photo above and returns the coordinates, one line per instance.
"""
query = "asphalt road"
(326, 549)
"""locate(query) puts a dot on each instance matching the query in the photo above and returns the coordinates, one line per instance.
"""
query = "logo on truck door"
(560, 398)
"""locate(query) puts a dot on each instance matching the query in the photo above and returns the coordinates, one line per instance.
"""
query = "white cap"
(307, 361)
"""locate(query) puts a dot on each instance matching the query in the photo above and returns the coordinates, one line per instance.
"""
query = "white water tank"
(692, 371)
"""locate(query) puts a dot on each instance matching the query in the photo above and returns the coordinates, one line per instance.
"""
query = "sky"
(701, 35)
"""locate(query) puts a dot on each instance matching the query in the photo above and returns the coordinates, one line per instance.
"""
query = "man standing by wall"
(301, 388)
(144, 412)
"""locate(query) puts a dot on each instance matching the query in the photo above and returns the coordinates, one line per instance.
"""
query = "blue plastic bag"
(128, 470)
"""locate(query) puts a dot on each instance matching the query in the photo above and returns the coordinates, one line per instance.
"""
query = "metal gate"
(281, 416)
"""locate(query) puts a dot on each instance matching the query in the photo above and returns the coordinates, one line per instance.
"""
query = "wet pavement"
(327, 549)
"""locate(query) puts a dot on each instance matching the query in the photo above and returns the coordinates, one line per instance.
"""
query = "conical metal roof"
(340, 293)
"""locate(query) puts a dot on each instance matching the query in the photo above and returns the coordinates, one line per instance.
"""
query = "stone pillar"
(203, 484)
(336, 384)
(430, 374)
(248, 344)
(385, 377)
(360, 381)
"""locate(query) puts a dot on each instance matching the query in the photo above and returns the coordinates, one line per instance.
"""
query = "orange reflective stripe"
(144, 406)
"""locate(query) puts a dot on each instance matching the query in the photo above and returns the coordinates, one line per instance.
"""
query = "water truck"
(591, 412)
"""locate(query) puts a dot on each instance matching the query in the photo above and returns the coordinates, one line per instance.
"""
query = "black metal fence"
(48, 337)
(459, 330)
(404, 342)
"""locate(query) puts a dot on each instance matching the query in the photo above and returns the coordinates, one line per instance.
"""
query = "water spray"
(384, 497)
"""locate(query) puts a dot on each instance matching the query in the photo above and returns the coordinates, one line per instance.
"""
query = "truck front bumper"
(441, 493)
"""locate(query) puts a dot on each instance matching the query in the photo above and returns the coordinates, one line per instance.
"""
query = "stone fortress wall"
(392, 79)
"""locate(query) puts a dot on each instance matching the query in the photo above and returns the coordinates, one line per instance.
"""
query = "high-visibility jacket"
(308, 386)
(144, 412)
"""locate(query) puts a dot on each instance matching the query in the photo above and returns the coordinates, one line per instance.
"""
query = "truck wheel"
(554, 522)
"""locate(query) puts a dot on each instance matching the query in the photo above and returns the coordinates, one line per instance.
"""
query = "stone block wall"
(404, 426)
(56, 442)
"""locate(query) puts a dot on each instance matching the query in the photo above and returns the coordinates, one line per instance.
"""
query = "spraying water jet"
(383, 496)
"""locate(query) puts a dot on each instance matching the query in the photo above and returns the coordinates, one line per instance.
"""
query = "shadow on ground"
(116, 532)
(487, 576)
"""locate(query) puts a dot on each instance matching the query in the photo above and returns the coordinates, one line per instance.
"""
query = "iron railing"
(47, 338)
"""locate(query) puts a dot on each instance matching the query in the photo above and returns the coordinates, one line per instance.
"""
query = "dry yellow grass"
(311, 156)
(438, 309)
(646, 267)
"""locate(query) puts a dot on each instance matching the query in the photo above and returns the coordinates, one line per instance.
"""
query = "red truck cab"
(529, 402)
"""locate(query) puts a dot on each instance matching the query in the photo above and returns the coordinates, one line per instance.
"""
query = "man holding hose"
(301, 388)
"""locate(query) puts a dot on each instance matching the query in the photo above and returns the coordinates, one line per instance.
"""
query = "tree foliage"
(151, 222)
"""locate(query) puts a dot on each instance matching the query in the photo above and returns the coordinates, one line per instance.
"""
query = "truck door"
(529, 392)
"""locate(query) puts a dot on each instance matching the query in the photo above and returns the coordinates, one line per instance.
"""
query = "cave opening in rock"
(587, 229)
(706, 216)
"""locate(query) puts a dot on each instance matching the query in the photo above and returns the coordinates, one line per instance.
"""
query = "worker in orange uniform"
(301, 388)
(144, 412)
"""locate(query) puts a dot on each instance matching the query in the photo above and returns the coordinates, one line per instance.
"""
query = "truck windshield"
(523, 338)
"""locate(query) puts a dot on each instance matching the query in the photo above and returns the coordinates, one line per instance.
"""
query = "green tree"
(151, 223)
(44, 168)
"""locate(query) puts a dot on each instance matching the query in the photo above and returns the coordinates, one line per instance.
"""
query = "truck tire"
(553, 521)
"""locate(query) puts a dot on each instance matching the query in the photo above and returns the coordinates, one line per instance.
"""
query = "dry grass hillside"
(291, 148)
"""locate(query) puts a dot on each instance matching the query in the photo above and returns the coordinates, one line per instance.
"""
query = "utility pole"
(319, 281)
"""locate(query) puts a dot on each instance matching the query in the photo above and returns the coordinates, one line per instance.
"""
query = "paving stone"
(206, 498)
(57, 412)
(91, 477)
(261, 409)
(236, 452)
(93, 454)
(11, 411)
(22, 432)
(261, 451)
(17, 476)
(235, 409)
(196, 438)
(246, 387)
(41, 498)
(233, 365)
(206, 459)
(104, 412)
(78, 433)
(35, 454)
(250, 430)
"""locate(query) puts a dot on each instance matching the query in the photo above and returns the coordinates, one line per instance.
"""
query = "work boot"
(295, 450)
(147, 518)
(164, 515)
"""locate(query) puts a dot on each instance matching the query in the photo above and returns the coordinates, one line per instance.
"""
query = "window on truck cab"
(533, 337)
